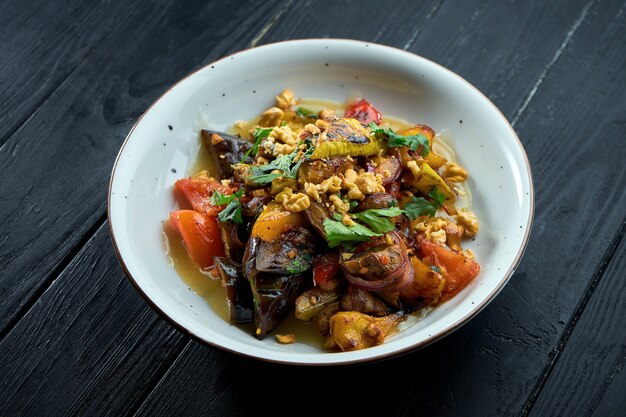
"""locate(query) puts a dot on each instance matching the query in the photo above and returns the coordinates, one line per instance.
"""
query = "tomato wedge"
(457, 269)
(200, 234)
(325, 268)
(363, 111)
(195, 193)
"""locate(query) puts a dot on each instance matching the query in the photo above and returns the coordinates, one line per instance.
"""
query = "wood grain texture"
(541, 58)
(74, 136)
(396, 25)
(41, 46)
(490, 366)
(88, 346)
(589, 377)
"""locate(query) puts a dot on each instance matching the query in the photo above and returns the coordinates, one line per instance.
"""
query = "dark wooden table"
(76, 338)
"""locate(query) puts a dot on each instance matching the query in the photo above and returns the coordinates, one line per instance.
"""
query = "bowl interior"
(238, 88)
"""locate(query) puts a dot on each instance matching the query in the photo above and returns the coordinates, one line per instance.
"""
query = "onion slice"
(395, 280)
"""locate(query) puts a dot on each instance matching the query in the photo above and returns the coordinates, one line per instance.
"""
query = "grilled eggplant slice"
(273, 296)
(290, 253)
(232, 148)
(238, 291)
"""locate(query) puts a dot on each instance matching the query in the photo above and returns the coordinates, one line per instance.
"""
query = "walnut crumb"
(286, 339)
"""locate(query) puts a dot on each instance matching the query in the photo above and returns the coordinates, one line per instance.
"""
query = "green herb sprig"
(259, 134)
(306, 114)
(232, 212)
(419, 206)
(378, 219)
(264, 174)
(394, 139)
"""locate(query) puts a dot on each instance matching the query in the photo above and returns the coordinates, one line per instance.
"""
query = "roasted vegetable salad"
(332, 216)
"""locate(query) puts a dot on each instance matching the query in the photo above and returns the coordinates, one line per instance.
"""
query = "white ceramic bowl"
(242, 85)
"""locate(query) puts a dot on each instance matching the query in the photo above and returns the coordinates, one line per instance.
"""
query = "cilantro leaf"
(394, 139)
(259, 134)
(232, 212)
(437, 196)
(263, 174)
(304, 113)
(377, 219)
(419, 206)
(338, 233)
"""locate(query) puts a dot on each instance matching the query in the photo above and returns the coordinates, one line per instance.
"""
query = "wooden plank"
(490, 366)
(589, 377)
(365, 20)
(41, 46)
(90, 345)
(222, 369)
(87, 328)
(499, 47)
(74, 136)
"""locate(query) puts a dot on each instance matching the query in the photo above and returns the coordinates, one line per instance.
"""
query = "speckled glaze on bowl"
(163, 144)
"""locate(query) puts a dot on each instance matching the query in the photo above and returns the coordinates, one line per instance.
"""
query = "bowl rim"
(447, 330)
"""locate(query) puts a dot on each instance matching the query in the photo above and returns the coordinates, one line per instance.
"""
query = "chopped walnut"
(469, 254)
(283, 149)
(284, 195)
(216, 139)
(297, 202)
(412, 166)
(312, 129)
(454, 173)
(286, 339)
(271, 117)
(349, 178)
(285, 135)
(438, 237)
(468, 220)
(345, 219)
(285, 99)
(370, 183)
(328, 115)
(433, 228)
(330, 185)
(311, 191)
(322, 124)
(338, 204)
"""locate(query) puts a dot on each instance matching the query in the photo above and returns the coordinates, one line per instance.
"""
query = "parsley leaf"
(263, 174)
(259, 134)
(232, 212)
(395, 140)
(419, 206)
(338, 233)
(378, 220)
(304, 113)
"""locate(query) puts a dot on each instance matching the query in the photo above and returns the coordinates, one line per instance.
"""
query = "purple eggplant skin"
(376, 201)
(238, 292)
(274, 296)
(233, 148)
(290, 253)
(233, 246)
(317, 213)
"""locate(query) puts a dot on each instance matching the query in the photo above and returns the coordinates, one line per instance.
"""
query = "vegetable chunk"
(352, 330)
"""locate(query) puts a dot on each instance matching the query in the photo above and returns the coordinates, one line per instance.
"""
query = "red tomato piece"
(363, 111)
(200, 234)
(457, 269)
(195, 193)
(325, 268)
